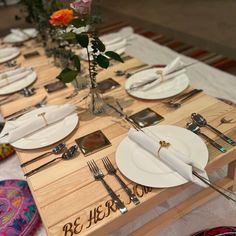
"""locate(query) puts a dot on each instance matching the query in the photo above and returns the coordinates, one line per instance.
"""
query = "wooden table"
(70, 202)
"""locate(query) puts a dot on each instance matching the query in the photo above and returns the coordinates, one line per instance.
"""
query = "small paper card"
(55, 86)
(31, 54)
(107, 85)
(146, 118)
(93, 142)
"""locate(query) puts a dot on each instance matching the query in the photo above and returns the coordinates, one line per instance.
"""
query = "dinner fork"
(99, 176)
(112, 171)
(21, 112)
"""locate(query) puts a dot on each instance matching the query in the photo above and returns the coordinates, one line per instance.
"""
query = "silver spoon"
(196, 129)
(67, 155)
(202, 122)
(56, 150)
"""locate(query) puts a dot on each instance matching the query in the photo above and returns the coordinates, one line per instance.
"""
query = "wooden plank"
(152, 227)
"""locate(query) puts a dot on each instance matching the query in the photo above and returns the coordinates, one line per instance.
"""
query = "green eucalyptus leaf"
(69, 36)
(100, 45)
(114, 55)
(82, 39)
(78, 23)
(76, 60)
(102, 61)
(67, 75)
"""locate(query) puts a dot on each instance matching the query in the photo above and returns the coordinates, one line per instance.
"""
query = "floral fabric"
(218, 231)
(18, 212)
(6, 150)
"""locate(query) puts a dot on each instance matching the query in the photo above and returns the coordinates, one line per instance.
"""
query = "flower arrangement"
(77, 26)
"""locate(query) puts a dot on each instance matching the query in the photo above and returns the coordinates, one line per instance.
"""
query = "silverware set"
(26, 92)
(23, 111)
(199, 121)
(99, 176)
(68, 154)
(56, 150)
(178, 102)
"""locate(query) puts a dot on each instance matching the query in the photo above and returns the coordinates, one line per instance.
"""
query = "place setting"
(40, 127)
(19, 36)
(8, 53)
(159, 83)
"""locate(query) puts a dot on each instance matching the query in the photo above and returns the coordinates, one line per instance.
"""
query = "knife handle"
(213, 143)
(224, 137)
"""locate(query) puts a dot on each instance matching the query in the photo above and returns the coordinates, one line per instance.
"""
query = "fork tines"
(98, 175)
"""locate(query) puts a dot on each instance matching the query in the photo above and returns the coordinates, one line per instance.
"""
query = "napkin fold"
(20, 34)
(15, 130)
(6, 52)
(13, 76)
(174, 159)
(172, 70)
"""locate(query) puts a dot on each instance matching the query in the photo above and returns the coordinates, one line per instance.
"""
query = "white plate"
(48, 135)
(163, 90)
(143, 168)
(10, 54)
(10, 2)
(19, 85)
(13, 38)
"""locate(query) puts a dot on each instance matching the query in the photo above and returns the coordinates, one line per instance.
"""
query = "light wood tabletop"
(68, 198)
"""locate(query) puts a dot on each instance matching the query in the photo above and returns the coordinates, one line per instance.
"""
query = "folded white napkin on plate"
(12, 72)
(6, 52)
(22, 127)
(170, 156)
(5, 79)
(170, 68)
(20, 34)
(31, 32)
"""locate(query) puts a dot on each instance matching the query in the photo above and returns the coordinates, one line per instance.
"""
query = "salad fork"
(112, 171)
(99, 176)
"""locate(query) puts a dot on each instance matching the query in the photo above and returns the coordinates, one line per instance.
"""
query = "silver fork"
(99, 176)
(21, 112)
(112, 171)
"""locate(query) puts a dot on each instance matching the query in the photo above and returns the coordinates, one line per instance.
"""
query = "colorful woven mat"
(6, 150)
(218, 231)
(18, 213)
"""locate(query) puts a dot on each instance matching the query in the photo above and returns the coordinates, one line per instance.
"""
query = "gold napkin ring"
(163, 144)
(43, 116)
(160, 72)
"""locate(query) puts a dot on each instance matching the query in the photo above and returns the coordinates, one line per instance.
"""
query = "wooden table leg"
(232, 174)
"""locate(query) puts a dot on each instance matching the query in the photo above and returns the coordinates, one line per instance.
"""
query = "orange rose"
(62, 17)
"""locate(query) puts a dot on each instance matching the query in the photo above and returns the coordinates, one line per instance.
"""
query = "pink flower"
(82, 6)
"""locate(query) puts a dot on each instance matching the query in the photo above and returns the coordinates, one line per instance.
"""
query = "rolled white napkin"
(20, 34)
(171, 157)
(6, 79)
(12, 72)
(167, 73)
(20, 128)
(31, 32)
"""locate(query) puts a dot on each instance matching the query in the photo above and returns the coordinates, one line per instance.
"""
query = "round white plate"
(19, 85)
(10, 54)
(10, 2)
(48, 135)
(143, 168)
(162, 90)
(13, 38)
